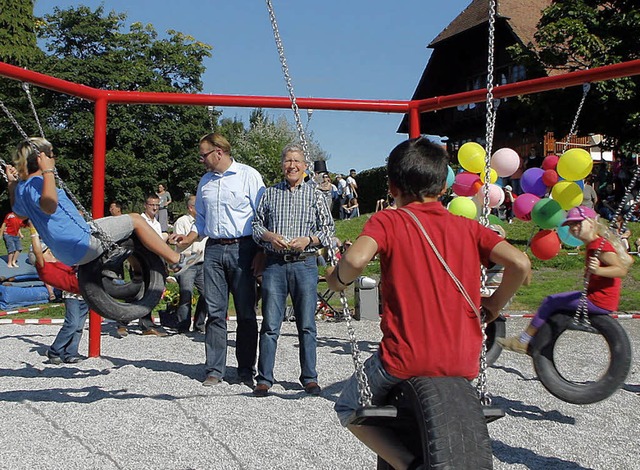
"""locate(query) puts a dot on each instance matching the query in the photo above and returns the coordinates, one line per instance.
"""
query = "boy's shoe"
(185, 262)
(73, 359)
(514, 344)
(122, 331)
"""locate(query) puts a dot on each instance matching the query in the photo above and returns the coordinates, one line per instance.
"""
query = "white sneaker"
(185, 262)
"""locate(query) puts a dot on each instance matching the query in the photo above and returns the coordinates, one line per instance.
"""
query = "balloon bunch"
(548, 192)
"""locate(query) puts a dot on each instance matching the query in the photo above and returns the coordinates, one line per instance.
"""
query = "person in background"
(226, 201)
(352, 208)
(65, 347)
(291, 222)
(329, 190)
(115, 209)
(146, 323)
(533, 160)
(162, 215)
(428, 328)
(10, 232)
(509, 199)
(351, 183)
(192, 276)
(589, 195)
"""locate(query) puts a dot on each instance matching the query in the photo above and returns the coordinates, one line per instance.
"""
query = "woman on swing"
(607, 261)
(34, 195)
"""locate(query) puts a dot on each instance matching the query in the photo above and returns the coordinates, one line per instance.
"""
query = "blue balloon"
(567, 238)
(451, 177)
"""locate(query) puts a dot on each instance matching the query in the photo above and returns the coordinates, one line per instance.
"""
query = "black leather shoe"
(261, 390)
(312, 388)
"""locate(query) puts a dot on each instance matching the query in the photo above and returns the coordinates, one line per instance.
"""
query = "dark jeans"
(194, 276)
(66, 343)
(227, 269)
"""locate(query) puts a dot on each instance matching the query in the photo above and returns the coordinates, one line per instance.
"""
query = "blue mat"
(21, 286)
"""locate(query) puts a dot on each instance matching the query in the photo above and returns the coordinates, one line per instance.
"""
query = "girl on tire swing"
(34, 195)
(606, 272)
(429, 328)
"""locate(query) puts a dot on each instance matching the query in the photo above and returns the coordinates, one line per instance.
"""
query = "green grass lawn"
(562, 273)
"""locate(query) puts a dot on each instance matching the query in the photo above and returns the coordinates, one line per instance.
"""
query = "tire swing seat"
(585, 392)
(440, 419)
(495, 329)
(118, 299)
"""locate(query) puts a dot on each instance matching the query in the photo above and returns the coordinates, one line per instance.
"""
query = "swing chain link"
(27, 91)
(289, 83)
(492, 106)
(365, 396)
(574, 125)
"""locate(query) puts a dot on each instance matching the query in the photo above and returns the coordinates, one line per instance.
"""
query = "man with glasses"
(146, 323)
(292, 222)
(226, 200)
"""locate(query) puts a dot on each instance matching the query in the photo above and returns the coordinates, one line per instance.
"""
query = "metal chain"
(481, 384)
(574, 125)
(287, 79)
(25, 87)
(211, 120)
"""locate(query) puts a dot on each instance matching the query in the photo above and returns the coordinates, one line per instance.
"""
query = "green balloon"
(547, 213)
(495, 220)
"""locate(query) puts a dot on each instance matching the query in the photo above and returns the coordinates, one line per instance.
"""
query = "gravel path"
(141, 406)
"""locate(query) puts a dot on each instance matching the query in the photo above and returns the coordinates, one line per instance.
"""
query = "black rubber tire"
(495, 329)
(139, 300)
(441, 418)
(541, 350)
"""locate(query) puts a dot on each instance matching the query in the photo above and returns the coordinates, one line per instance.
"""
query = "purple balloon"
(531, 182)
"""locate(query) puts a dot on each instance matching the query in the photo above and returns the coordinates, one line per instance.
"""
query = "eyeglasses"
(205, 155)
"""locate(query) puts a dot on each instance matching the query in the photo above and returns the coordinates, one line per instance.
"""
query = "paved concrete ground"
(141, 406)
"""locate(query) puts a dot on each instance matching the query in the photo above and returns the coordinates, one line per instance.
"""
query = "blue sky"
(355, 49)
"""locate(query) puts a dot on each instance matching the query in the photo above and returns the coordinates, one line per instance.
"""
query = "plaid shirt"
(301, 211)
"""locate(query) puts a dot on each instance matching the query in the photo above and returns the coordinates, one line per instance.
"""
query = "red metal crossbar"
(103, 98)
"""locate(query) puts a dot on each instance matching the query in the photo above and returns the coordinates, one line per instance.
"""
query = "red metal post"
(97, 206)
(414, 122)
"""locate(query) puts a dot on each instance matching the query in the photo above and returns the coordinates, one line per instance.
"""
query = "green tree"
(582, 34)
(145, 144)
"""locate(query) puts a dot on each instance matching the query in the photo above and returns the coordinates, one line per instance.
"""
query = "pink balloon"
(465, 184)
(496, 196)
(505, 161)
(550, 162)
(523, 205)
(549, 177)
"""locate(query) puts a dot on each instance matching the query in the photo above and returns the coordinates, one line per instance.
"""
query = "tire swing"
(495, 329)
(436, 416)
(106, 292)
(582, 388)
(545, 345)
(115, 298)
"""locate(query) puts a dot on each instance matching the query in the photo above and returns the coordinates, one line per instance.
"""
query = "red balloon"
(549, 177)
(550, 162)
(545, 244)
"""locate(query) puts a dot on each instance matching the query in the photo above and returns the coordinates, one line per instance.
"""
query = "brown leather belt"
(226, 241)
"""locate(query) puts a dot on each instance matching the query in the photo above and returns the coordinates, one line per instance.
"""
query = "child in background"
(606, 268)
(10, 231)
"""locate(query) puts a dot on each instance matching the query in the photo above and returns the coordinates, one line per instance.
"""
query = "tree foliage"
(582, 34)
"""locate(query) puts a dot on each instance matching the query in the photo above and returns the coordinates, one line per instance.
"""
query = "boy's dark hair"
(418, 167)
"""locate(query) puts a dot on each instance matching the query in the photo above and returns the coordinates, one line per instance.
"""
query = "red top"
(13, 224)
(428, 327)
(603, 291)
(59, 275)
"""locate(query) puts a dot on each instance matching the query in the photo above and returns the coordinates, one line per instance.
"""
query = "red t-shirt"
(428, 327)
(13, 224)
(603, 291)
(59, 275)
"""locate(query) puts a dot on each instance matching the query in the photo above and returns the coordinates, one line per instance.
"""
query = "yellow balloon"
(463, 206)
(567, 193)
(471, 157)
(493, 175)
(575, 164)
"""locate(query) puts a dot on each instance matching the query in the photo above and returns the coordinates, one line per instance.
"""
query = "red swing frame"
(103, 98)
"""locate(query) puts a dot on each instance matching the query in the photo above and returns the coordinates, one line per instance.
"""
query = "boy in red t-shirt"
(428, 327)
